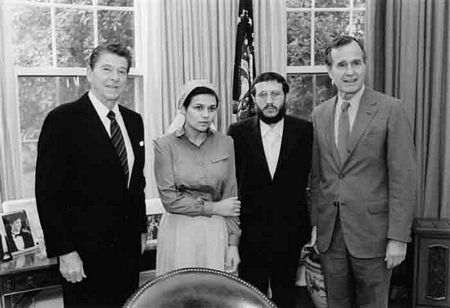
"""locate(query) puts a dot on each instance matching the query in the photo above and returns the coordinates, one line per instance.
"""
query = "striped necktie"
(118, 142)
(344, 131)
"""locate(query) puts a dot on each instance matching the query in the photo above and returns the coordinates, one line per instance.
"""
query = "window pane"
(29, 153)
(116, 2)
(37, 97)
(74, 37)
(74, 1)
(128, 98)
(300, 101)
(307, 91)
(298, 3)
(359, 20)
(328, 25)
(70, 88)
(332, 3)
(31, 37)
(359, 3)
(324, 89)
(298, 39)
(117, 26)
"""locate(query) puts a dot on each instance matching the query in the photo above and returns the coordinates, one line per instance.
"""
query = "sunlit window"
(51, 41)
(311, 25)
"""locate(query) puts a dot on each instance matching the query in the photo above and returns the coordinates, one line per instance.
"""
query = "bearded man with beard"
(273, 160)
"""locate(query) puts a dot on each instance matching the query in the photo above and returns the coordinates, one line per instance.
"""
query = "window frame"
(136, 72)
(318, 69)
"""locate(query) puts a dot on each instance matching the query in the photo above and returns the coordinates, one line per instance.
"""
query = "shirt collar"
(101, 109)
(181, 132)
(277, 128)
(355, 100)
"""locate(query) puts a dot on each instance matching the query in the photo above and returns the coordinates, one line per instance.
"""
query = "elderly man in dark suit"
(90, 187)
(362, 184)
(273, 159)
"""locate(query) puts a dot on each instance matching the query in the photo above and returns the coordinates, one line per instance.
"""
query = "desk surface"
(27, 262)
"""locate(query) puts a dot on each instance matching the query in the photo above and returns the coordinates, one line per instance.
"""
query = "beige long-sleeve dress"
(189, 179)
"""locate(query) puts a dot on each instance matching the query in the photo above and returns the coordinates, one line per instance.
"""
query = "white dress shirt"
(102, 112)
(352, 111)
(18, 241)
(271, 137)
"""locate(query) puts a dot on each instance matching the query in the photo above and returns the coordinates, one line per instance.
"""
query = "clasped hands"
(228, 207)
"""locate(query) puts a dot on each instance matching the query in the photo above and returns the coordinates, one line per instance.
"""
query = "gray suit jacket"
(375, 183)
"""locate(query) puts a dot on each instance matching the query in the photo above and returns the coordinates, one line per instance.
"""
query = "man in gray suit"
(362, 184)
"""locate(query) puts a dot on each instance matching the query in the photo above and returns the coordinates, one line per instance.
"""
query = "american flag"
(244, 61)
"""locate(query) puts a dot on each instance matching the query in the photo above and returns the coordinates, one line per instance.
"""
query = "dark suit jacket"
(27, 240)
(273, 211)
(82, 198)
(375, 183)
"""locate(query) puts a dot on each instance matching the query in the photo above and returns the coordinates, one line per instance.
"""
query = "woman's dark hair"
(114, 48)
(198, 91)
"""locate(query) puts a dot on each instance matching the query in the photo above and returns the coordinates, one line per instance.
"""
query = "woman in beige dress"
(195, 175)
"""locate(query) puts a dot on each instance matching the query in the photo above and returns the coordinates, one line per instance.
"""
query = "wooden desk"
(25, 273)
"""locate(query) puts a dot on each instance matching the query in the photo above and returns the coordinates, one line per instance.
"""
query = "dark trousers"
(111, 279)
(279, 268)
(354, 282)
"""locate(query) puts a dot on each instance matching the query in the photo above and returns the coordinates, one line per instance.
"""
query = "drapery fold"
(271, 36)
(198, 43)
(408, 43)
(10, 172)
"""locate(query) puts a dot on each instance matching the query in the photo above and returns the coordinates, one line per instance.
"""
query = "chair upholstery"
(198, 288)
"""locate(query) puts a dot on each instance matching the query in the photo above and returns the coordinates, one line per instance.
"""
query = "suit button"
(341, 176)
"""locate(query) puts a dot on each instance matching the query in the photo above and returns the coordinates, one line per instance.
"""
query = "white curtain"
(10, 173)
(152, 107)
(270, 36)
(198, 39)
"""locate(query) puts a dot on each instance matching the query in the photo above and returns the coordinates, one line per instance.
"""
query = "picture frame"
(15, 230)
(154, 211)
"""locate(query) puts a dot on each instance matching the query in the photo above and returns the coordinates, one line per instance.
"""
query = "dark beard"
(271, 120)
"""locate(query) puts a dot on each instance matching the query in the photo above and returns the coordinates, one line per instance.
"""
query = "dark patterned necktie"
(118, 142)
(344, 131)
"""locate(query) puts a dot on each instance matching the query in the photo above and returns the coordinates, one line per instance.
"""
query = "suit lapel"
(132, 134)
(97, 129)
(286, 145)
(101, 144)
(366, 112)
(329, 118)
(256, 141)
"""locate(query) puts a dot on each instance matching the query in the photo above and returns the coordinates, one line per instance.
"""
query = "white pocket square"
(141, 143)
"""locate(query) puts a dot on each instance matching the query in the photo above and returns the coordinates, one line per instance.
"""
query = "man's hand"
(71, 267)
(395, 253)
(143, 242)
(232, 259)
(228, 207)
(313, 239)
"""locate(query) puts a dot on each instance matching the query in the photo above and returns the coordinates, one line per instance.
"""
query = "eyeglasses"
(273, 95)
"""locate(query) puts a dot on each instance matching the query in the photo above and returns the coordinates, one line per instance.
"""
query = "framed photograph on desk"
(154, 210)
(15, 227)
